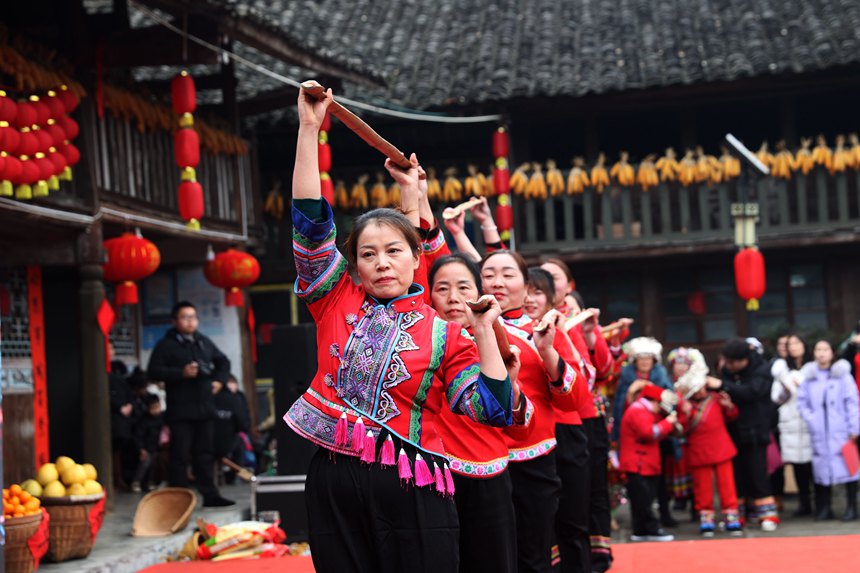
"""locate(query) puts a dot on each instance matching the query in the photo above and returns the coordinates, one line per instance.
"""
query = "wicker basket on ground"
(19, 530)
(163, 512)
(75, 521)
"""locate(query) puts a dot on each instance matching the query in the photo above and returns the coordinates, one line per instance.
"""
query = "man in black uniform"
(189, 364)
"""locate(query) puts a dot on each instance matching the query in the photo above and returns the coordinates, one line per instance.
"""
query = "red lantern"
(187, 148)
(28, 144)
(69, 126)
(750, 276)
(26, 115)
(58, 160)
(502, 180)
(191, 202)
(71, 153)
(327, 188)
(46, 167)
(501, 145)
(183, 94)
(504, 216)
(58, 136)
(10, 139)
(69, 99)
(43, 112)
(8, 108)
(696, 303)
(130, 258)
(232, 270)
(44, 139)
(55, 104)
(13, 170)
(324, 157)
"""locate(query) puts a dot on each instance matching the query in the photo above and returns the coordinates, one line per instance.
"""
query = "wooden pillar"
(95, 392)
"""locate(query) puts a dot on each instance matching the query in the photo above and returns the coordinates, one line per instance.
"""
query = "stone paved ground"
(790, 526)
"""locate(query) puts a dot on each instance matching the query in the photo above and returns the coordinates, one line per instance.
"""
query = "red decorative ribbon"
(40, 376)
(105, 318)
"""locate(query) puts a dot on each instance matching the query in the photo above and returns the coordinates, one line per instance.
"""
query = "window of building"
(617, 296)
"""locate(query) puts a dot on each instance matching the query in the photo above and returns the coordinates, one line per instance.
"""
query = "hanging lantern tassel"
(750, 276)
(125, 293)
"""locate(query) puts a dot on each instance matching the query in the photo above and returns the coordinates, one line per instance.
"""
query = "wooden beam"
(214, 81)
(264, 102)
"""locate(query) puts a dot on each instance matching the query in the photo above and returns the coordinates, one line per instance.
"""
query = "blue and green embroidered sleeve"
(319, 264)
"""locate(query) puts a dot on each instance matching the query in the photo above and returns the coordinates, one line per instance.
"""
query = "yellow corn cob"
(803, 160)
(519, 179)
(647, 175)
(668, 166)
(554, 179)
(599, 175)
(577, 179)
(821, 154)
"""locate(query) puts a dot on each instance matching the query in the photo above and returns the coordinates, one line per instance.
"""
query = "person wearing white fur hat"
(709, 450)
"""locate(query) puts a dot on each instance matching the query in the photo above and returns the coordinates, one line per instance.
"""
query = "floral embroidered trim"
(433, 245)
(531, 452)
(568, 378)
(478, 469)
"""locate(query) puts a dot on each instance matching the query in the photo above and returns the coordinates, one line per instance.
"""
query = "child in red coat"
(642, 428)
(709, 449)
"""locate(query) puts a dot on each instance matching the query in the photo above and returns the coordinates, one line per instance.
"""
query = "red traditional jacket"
(391, 365)
(708, 440)
(585, 404)
(474, 450)
(641, 432)
(545, 394)
(538, 437)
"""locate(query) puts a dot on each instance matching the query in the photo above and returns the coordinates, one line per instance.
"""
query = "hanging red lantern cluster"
(130, 258)
(324, 155)
(183, 96)
(35, 143)
(502, 183)
(232, 270)
(750, 276)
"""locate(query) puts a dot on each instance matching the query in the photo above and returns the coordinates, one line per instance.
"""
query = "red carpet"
(836, 554)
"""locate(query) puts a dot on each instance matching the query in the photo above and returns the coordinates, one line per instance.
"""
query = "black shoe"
(850, 513)
(217, 501)
(824, 514)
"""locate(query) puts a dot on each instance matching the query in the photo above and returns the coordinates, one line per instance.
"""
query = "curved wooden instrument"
(481, 306)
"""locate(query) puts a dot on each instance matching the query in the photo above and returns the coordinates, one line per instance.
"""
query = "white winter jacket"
(794, 441)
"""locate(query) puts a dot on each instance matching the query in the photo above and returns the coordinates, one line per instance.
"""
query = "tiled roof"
(438, 52)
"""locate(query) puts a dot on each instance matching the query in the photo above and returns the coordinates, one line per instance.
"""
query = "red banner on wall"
(40, 373)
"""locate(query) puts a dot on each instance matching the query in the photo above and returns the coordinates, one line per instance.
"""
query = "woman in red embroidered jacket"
(478, 453)
(548, 375)
(386, 364)
(709, 450)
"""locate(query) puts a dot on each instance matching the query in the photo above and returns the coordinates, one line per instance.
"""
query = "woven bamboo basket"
(163, 512)
(70, 534)
(19, 530)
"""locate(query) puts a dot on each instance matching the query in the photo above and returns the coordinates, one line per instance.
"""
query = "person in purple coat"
(828, 402)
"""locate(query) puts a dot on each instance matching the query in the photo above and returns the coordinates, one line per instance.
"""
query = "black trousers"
(571, 521)
(642, 491)
(599, 517)
(751, 479)
(803, 477)
(191, 442)
(535, 493)
(362, 520)
(488, 526)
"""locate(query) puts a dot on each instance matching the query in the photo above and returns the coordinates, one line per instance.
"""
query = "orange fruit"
(15, 500)
(18, 514)
(31, 505)
(15, 489)
(25, 496)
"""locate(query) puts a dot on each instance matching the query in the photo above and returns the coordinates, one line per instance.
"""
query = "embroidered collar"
(411, 300)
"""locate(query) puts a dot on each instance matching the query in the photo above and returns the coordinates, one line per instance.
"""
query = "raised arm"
(306, 174)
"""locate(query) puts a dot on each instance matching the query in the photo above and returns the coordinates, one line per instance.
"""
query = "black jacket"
(231, 417)
(188, 398)
(750, 390)
(120, 395)
(147, 432)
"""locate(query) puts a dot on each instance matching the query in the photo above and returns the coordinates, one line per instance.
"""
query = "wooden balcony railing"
(671, 215)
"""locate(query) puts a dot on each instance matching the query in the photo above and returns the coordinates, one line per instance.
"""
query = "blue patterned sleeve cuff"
(484, 400)
(319, 264)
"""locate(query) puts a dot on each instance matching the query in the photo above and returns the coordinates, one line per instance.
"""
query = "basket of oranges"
(23, 517)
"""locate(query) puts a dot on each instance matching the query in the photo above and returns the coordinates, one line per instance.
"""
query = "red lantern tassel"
(234, 297)
(126, 293)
